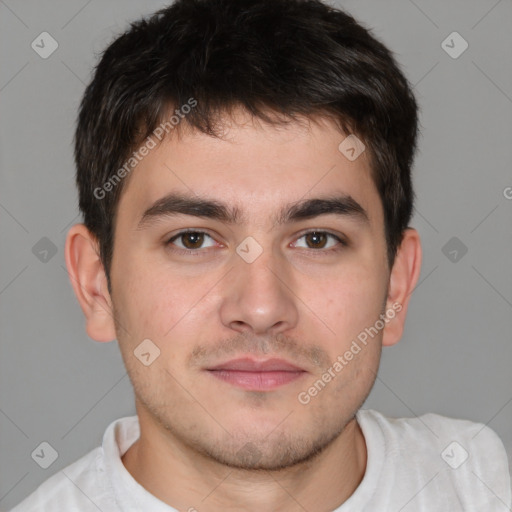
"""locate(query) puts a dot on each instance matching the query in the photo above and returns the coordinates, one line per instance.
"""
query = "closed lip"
(247, 364)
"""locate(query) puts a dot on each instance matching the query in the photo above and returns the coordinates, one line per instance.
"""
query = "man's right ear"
(89, 282)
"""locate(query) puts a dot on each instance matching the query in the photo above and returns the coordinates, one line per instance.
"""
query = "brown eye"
(190, 240)
(316, 239)
(320, 240)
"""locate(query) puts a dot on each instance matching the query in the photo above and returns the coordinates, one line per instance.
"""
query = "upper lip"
(252, 365)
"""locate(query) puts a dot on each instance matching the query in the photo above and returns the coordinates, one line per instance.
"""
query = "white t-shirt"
(430, 463)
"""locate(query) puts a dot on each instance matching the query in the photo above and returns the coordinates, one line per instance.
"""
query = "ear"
(404, 276)
(89, 282)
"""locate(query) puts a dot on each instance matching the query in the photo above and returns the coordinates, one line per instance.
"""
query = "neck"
(184, 479)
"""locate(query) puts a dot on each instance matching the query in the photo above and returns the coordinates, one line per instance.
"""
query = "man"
(244, 172)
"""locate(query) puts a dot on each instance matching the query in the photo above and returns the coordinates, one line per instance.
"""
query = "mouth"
(254, 375)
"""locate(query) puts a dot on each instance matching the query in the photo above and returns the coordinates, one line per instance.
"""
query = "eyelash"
(199, 252)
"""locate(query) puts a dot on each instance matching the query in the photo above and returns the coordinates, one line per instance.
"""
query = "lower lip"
(257, 381)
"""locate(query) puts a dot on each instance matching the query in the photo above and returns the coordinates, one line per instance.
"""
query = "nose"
(258, 297)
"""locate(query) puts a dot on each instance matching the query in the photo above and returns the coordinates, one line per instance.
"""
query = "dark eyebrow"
(179, 204)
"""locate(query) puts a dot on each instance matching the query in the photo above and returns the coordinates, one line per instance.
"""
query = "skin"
(298, 301)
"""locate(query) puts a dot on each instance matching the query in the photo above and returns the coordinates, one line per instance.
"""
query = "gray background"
(59, 386)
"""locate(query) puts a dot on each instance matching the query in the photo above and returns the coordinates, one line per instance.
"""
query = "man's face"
(255, 289)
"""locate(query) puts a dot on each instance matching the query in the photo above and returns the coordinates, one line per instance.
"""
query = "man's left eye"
(319, 239)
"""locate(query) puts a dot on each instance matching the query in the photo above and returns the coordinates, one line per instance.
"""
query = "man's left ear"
(404, 276)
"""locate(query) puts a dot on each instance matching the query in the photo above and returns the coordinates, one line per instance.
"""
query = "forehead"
(256, 168)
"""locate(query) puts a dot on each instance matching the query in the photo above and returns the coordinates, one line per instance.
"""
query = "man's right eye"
(190, 241)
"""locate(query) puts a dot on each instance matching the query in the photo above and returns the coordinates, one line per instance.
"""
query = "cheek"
(349, 300)
(160, 303)
(143, 298)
